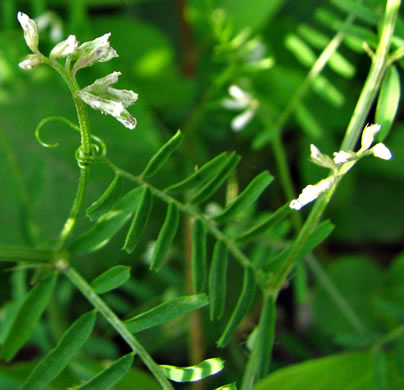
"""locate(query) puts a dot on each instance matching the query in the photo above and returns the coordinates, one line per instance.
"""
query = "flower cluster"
(99, 95)
(342, 162)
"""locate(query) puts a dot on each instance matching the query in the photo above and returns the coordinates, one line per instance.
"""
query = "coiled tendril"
(98, 149)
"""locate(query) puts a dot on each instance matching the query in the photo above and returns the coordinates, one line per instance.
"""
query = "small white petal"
(31, 61)
(232, 104)
(240, 121)
(65, 48)
(30, 31)
(238, 94)
(343, 157)
(382, 151)
(320, 159)
(312, 192)
(368, 136)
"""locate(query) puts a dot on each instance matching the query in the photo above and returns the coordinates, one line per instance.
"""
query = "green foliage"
(264, 80)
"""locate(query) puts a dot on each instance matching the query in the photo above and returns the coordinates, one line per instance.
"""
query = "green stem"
(85, 149)
(375, 76)
(117, 324)
(76, 207)
(189, 210)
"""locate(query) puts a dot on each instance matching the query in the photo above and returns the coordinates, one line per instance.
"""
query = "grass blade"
(29, 313)
(57, 359)
(166, 311)
(164, 153)
(193, 373)
(246, 198)
(111, 279)
(139, 221)
(242, 307)
(217, 280)
(166, 236)
(107, 199)
(199, 256)
(111, 375)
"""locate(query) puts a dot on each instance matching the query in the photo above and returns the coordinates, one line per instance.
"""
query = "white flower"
(241, 100)
(97, 50)
(31, 61)
(321, 159)
(312, 192)
(108, 100)
(382, 151)
(30, 31)
(368, 136)
(65, 48)
(342, 157)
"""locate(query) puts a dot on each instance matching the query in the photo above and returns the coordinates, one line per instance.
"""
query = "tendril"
(98, 149)
(48, 119)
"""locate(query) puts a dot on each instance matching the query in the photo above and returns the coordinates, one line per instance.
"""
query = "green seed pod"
(27, 317)
(139, 221)
(57, 359)
(164, 153)
(246, 198)
(198, 256)
(201, 176)
(107, 199)
(242, 307)
(217, 280)
(214, 184)
(166, 236)
(111, 375)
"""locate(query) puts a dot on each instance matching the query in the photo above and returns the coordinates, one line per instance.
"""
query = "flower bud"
(65, 48)
(31, 61)
(342, 157)
(320, 159)
(382, 151)
(368, 136)
(30, 31)
(98, 50)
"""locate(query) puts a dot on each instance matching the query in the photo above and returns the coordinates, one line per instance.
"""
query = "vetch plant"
(238, 258)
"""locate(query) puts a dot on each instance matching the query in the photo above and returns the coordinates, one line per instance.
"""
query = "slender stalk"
(376, 72)
(117, 324)
(76, 207)
(84, 149)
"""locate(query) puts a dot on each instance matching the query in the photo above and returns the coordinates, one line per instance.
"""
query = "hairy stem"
(117, 324)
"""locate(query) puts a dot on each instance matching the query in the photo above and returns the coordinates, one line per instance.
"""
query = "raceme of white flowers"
(342, 162)
(99, 95)
(240, 100)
